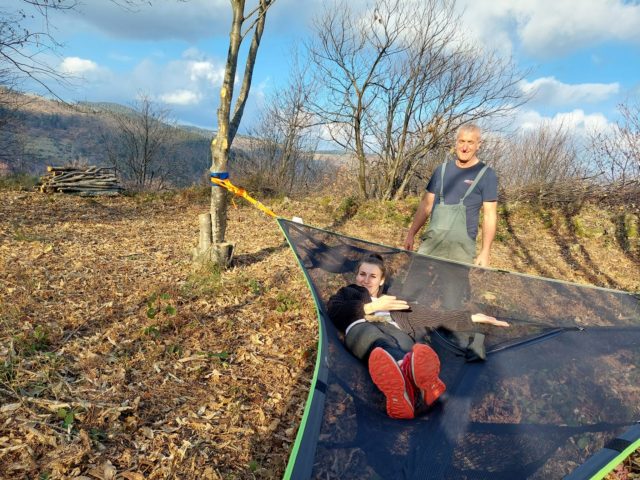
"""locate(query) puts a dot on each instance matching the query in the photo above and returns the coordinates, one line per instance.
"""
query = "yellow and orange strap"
(221, 179)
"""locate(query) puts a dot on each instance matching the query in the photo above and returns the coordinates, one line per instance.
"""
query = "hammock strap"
(221, 179)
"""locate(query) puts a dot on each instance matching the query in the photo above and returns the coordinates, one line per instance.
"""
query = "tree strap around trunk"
(241, 192)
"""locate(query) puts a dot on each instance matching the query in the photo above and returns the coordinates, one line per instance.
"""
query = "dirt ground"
(120, 359)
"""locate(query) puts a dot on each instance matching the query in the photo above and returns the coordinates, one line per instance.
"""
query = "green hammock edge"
(608, 468)
(307, 407)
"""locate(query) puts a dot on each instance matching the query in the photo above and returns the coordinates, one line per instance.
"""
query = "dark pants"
(364, 337)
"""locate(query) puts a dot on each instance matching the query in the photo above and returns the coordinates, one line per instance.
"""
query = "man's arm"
(420, 218)
(489, 225)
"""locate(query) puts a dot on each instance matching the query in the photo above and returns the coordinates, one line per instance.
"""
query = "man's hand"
(482, 318)
(408, 242)
(482, 260)
(419, 219)
(385, 303)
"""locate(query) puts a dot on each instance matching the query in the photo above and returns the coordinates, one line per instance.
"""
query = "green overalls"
(447, 235)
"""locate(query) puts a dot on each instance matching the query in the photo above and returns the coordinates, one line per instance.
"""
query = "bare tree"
(541, 158)
(283, 143)
(398, 81)
(21, 53)
(616, 153)
(25, 55)
(22, 50)
(141, 143)
(213, 225)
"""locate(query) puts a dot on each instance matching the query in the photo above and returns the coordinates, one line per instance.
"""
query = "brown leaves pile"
(120, 360)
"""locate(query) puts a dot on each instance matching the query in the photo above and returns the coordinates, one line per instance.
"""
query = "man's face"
(467, 144)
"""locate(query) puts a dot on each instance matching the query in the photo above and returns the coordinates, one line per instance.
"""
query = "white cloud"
(205, 70)
(192, 53)
(181, 97)
(556, 26)
(489, 23)
(330, 131)
(77, 66)
(543, 27)
(188, 85)
(579, 120)
(260, 92)
(551, 92)
(575, 121)
(548, 28)
(172, 79)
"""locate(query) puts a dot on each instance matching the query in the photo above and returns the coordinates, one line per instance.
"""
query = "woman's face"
(370, 277)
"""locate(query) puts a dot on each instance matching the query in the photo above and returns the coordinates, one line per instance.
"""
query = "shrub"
(19, 181)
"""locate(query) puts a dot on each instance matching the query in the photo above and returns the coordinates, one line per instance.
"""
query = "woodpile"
(87, 181)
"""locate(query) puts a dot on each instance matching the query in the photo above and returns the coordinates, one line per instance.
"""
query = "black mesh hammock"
(557, 396)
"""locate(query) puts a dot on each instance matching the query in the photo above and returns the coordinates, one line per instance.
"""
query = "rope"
(241, 192)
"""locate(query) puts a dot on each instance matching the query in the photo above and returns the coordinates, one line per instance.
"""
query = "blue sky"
(584, 57)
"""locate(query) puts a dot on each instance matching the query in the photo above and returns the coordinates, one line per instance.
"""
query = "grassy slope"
(118, 356)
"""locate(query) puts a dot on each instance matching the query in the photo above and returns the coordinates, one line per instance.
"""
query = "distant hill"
(198, 131)
(49, 132)
(102, 107)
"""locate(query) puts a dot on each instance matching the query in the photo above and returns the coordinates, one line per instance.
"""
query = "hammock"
(558, 395)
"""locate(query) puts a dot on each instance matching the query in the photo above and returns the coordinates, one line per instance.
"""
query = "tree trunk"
(221, 143)
(221, 251)
(362, 158)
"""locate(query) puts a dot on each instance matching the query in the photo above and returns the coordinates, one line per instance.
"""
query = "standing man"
(456, 192)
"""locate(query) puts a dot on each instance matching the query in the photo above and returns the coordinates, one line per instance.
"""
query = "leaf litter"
(121, 360)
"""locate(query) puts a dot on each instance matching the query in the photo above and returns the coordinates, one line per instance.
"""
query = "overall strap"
(475, 182)
(441, 196)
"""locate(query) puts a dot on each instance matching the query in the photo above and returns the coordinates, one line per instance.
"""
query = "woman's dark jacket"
(347, 306)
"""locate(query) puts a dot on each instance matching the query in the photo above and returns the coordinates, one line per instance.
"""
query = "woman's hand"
(385, 303)
(482, 318)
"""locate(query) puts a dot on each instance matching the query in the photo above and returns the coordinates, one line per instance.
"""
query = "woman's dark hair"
(373, 259)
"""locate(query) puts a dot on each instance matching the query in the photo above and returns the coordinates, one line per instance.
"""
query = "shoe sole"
(425, 367)
(386, 374)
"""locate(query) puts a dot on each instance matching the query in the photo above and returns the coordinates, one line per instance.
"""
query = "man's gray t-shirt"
(456, 183)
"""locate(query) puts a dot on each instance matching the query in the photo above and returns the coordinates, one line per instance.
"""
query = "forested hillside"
(39, 132)
(46, 132)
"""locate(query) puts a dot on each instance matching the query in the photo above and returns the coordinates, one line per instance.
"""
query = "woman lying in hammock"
(397, 364)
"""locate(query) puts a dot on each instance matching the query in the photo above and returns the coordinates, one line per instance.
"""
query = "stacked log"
(87, 181)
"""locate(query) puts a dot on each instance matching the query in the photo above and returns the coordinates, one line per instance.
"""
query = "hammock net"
(557, 396)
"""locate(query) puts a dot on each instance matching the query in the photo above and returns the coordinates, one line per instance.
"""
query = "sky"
(583, 58)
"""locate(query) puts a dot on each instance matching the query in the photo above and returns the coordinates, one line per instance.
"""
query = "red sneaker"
(425, 368)
(388, 377)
